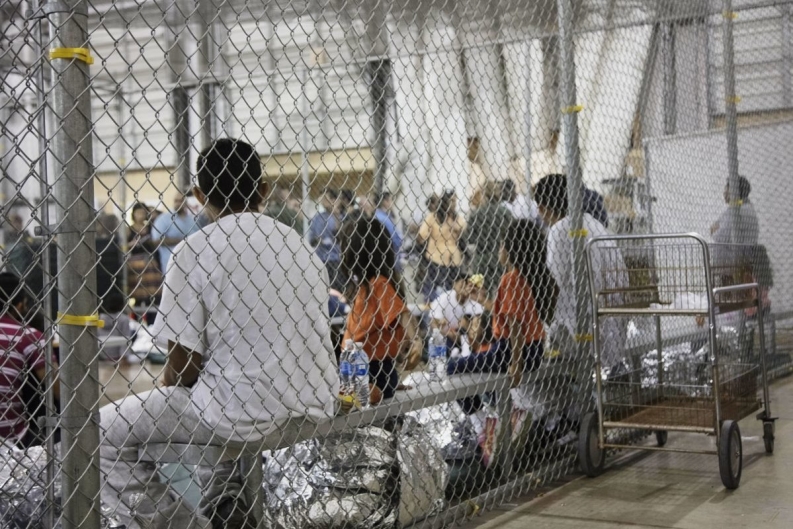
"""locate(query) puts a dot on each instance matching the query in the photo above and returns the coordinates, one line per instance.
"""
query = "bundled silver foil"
(347, 480)
(423, 473)
(689, 370)
(364, 478)
(23, 490)
(447, 427)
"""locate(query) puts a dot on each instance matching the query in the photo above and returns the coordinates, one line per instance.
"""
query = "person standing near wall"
(551, 196)
(486, 228)
(369, 207)
(280, 209)
(442, 232)
(323, 236)
(738, 224)
(168, 230)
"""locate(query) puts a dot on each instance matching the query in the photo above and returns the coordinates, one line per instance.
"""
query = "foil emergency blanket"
(346, 480)
(23, 491)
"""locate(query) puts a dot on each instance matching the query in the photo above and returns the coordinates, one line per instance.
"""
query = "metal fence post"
(72, 168)
(731, 107)
(570, 109)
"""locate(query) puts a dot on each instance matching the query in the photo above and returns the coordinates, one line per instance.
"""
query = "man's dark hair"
(229, 174)
(551, 193)
(11, 290)
(332, 193)
(744, 187)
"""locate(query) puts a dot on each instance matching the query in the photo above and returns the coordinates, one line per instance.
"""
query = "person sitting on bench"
(244, 314)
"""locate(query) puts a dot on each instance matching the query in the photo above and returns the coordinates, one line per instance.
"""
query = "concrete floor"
(652, 489)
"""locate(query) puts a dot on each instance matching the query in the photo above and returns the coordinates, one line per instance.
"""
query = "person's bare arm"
(183, 366)
(517, 342)
(41, 374)
(170, 241)
(413, 346)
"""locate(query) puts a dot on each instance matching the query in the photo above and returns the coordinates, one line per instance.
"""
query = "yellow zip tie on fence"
(583, 338)
(575, 109)
(552, 353)
(734, 100)
(80, 321)
(80, 54)
(578, 234)
(736, 203)
(732, 15)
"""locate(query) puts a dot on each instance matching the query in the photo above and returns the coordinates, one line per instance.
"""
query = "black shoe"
(232, 513)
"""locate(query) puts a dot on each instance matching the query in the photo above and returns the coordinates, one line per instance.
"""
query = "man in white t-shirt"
(244, 318)
(551, 196)
(452, 310)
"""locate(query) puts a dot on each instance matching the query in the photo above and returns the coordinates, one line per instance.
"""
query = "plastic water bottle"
(438, 356)
(360, 365)
(346, 371)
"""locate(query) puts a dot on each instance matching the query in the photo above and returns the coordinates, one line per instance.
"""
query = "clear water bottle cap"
(349, 345)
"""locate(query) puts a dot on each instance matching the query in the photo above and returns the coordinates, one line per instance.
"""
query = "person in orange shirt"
(379, 317)
(525, 298)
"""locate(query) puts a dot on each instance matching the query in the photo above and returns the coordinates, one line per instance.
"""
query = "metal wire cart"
(676, 275)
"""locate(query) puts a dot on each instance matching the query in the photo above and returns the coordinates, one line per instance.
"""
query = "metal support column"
(208, 54)
(180, 93)
(381, 91)
(305, 110)
(180, 99)
(670, 79)
(731, 104)
(378, 76)
(787, 57)
(73, 189)
(570, 109)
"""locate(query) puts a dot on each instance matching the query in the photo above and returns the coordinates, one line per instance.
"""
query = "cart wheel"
(591, 456)
(730, 455)
(660, 437)
(768, 436)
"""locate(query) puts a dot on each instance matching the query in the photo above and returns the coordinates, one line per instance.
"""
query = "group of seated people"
(244, 317)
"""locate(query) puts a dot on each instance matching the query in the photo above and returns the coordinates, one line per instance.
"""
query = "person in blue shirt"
(168, 230)
(370, 209)
(322, 235)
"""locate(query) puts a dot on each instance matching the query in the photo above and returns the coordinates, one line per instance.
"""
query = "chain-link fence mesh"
(322, 264)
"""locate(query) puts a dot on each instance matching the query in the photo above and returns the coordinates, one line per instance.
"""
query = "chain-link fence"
(321, 264)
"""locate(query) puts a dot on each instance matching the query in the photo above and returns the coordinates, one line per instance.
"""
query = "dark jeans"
(383, 374)
(494, 360)
(438, 276)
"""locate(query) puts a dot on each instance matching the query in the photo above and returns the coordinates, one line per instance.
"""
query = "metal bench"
(248, 461)
(249, 457)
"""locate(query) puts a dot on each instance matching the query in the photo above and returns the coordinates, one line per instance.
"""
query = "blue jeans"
(494, 360)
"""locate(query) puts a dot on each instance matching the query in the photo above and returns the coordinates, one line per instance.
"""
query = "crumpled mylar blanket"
(23, 490)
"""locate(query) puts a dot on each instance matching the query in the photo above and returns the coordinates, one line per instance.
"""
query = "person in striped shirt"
(22, 354)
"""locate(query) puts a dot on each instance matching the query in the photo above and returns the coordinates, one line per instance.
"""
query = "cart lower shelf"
(679, 413)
